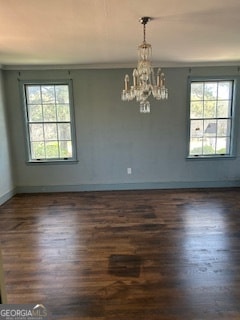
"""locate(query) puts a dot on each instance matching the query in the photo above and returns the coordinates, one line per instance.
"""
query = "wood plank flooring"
(127, 255)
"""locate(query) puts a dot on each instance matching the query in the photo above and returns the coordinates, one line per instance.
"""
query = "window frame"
(29, 160)
(232, 147)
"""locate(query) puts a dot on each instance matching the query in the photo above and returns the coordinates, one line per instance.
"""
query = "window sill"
(52, 162)
(213, 157)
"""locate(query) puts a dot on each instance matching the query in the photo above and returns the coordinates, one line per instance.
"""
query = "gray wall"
(6, 181)
(112, 135)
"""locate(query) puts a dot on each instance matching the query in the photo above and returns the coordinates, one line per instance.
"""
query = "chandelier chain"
(144, 33)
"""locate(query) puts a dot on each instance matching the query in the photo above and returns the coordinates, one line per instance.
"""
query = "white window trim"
(29, 160)
(232, 154)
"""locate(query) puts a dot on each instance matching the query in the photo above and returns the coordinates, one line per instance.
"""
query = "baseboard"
(5, 197)
(128, 186)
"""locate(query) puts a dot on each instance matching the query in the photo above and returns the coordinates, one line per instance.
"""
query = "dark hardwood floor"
(142, 255)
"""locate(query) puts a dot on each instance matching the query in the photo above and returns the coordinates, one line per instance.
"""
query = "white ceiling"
(106, 33)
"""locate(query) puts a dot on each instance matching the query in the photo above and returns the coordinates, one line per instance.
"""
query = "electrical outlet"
(129, 170)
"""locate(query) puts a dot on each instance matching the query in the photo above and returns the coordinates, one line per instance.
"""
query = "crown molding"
(17, 67)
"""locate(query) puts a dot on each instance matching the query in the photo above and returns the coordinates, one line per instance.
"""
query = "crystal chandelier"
(144, 81)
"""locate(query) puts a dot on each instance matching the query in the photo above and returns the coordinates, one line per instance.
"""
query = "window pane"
(197, 109)
(63, 112)
(223, 128)
(65, 149)
(52, 150)
(209, 146)
(222, 146)
(38, 150)
(210, 109)
(196, 128)
(35, 113)
(64, 131)
(50, 131)
(33, 94)
(49, 112)
(48, 94)
(196, 91)
(210, 91)
(210, 127)
(225, 90)
(62, 95)
(196, 146)
(223, 109)
(36, 132)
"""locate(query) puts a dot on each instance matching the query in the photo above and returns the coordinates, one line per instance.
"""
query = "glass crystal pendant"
(144, 81)
(144, 107)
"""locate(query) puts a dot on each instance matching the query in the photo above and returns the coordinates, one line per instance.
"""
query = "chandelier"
(144, 81)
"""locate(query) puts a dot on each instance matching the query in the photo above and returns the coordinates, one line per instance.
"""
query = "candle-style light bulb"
(158, 77)
(126, 81)
(162, 82)
(135, 78)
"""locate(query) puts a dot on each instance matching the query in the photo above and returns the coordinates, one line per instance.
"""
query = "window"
(49, 121)
(211, 118)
